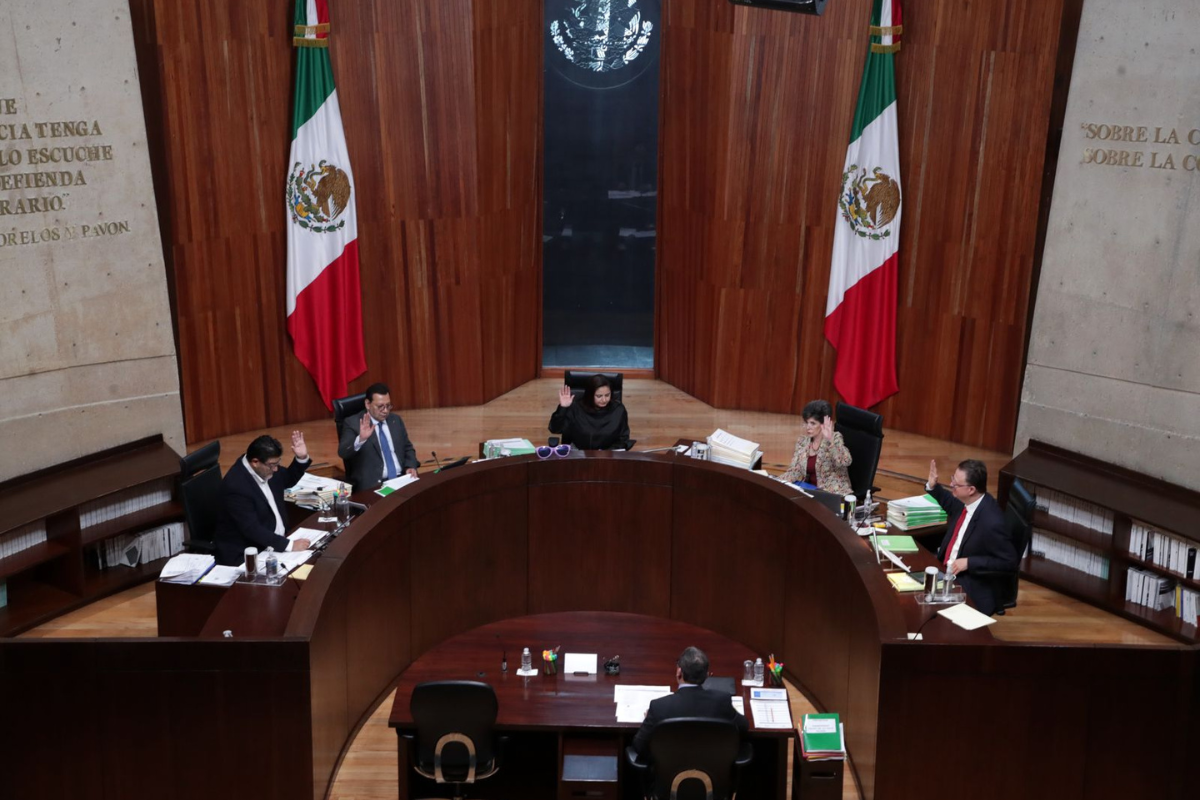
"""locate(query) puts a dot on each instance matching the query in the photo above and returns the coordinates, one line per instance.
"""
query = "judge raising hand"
(827, 429)
(365, 428)
(565, 398)
(298, 446)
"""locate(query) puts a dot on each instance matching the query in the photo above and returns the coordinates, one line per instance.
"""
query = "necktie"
(385, 445)
(954, 538)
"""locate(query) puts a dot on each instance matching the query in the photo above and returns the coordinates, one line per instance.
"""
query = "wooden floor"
(659, 414)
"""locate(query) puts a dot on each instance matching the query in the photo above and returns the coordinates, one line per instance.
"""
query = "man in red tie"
(977, 538)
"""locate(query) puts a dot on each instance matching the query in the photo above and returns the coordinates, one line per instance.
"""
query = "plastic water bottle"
(272, 566)
(758, 671)
(526, 660)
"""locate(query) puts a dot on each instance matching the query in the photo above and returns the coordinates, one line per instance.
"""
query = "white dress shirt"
(970, 512)
(265, 487)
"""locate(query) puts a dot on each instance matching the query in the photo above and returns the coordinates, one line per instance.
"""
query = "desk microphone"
(435, 460)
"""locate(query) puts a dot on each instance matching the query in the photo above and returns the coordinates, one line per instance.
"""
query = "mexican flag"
(324, 301)
(860, 313)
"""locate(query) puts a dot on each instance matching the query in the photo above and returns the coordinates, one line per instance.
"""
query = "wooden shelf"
(103, 582)
(31, 603)
(1079, 533)
(144, 520)
(1069, 581)
(1164, 621)
(1134, 561)
(30, 557)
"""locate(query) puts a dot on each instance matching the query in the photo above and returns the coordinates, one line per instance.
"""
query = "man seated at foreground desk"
(372, 459)
(251, 500)
(690, 700)
(976, 536)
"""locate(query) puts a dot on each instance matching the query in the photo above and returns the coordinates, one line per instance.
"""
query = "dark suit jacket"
(985, 544)
(365, 468)
(687, 701)
(245, 518)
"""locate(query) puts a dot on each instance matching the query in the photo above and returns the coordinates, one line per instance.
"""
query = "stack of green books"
(822, 738)
(915, 512)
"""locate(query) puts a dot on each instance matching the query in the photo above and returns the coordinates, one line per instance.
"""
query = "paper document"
(579, 662)
(965, 617)
(222, 576)
(313, 535)
(310, 483)
(631, 712)
(771, 713)
(633, 701)
(739, 704)
(399, 482)
(768, 694)
(186, 568)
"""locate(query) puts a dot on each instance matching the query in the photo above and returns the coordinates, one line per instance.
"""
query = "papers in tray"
(966, 617)
(186, 568)
(222, 576)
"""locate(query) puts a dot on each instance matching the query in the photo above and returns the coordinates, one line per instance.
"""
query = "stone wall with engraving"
(1114, 357)
(87, 357)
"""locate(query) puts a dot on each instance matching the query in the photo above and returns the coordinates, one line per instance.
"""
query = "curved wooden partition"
(268, 713)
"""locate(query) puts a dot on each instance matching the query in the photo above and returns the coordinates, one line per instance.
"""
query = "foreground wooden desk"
(573, 706)
(269, 712)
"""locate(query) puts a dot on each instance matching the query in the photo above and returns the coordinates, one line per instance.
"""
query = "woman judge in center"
(596, 421)
(821, 457)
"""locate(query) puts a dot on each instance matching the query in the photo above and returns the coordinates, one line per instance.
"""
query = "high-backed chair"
(199, 489)
(347, 407)
(456, 744)
(692, 758)
(862, 432)
(576, 381)
(1018, 522)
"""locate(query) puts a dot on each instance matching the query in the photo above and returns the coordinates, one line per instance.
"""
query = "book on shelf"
(1072, 510)
(822, 737)
(1165, 550)
(1067, 552)
(733, 451)
(919, 511)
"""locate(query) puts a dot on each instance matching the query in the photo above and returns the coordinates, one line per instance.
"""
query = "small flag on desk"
(324, 299)
(860, 312)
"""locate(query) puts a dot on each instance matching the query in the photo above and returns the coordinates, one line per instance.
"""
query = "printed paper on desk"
(222, 576)
(399, 482)
(313, 535)
(965, 617)
(579, 662)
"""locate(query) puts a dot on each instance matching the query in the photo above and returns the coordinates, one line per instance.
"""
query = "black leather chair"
(576, 381)
(456, 744)
(346, 407)
(199, 488)
(862, 432)
(692, 758)
(1018, 521)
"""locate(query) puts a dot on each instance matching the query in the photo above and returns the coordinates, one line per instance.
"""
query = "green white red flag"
(324, 298)
(860, 312)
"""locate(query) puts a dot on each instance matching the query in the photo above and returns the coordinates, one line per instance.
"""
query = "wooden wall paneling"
(755, 116)
(429, 104)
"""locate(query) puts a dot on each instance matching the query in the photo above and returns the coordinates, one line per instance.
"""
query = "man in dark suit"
(251, 500)
(976, 536)
(690, 700)
(374, 444)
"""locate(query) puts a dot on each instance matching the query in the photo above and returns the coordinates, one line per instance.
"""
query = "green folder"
(825, 741)
(898, 544)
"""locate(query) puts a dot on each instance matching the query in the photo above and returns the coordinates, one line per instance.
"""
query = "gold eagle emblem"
(869, 201)
(317, 195)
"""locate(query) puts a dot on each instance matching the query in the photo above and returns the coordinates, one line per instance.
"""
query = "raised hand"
(298, 445)
(565, 398)
(365, 427)
(932, 473)
(827, 429)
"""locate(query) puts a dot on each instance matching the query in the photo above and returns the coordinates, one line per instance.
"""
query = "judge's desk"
(665, 536)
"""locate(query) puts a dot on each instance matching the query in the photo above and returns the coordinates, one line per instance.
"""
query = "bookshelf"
(1098, 511)
(52, 522)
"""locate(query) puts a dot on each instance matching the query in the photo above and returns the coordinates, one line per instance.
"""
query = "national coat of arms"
(317, 195)
(869, 201)
(602, 35)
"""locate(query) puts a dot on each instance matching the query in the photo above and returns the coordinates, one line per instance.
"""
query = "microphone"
(435, 459)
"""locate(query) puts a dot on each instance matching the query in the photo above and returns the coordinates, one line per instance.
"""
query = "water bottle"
(526, 660)
(272, 566)
(758, 671)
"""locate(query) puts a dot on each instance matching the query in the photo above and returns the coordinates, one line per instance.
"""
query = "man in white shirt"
(251, 500)
(976, 538)
(374, 444)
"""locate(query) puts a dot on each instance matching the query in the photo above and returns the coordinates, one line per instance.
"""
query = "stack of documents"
(822, 738)
(725, 448)
(186, 568)
(312, 491)
(494, 448)
(915, 512)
